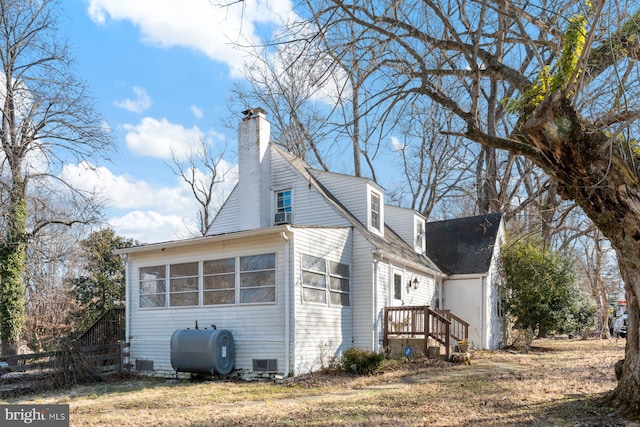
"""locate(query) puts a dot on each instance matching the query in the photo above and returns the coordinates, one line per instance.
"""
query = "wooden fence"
(23, 373)
(108, 329)
(108, 358)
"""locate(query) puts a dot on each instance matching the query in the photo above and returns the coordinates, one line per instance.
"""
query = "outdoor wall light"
(413, 283)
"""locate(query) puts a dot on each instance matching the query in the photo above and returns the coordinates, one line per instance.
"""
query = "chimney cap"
(252, 112)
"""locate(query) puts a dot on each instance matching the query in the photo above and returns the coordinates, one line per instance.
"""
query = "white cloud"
(146, 212)
(197, 112)
(152, 226)
(159, 138)
(396, 145)
(197, 24)
(141, 102)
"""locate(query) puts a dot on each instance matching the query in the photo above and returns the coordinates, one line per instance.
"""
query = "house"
(299, 265)
(467, 251)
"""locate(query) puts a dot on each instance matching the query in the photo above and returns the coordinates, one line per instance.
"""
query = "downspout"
(287, 316)
(127, 298)
(484, 311)
(376, 338)
(376, 328)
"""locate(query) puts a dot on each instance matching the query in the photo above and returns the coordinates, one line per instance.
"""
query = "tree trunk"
(591, 170)
(12, 269)
(627, 393)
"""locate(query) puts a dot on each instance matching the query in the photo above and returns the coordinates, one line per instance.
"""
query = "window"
(339, 283)
(419, 235)
(153, 286)
(219, 281)
(316, 273)
(375, 211)
(314, 279)
(397, 286)
(215, 282)
(283, 201)
(258, 278)
(183, 284)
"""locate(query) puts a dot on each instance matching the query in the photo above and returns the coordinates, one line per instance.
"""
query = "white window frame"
(327, 274)
(267, 276)
(375, 214)
(214, 290)
(240, 272)
(163, 279)
(186, 278)
(284, 208)
(420, 239)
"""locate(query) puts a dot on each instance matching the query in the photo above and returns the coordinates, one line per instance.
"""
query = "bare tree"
(319, 99)
(52, 259)
(434, 167)
(202, 172)
(595, 262)
(47, 119)
(566, 74)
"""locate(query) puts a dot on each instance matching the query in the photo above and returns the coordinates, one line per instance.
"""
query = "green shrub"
(361, 361)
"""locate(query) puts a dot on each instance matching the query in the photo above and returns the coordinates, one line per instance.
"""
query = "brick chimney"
(254, 170)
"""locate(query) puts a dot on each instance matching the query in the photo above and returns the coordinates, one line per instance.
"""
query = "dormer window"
(420, 235)
(283, 207)
(375, 211)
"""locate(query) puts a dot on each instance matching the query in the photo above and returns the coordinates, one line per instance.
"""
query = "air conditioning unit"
(282, 218)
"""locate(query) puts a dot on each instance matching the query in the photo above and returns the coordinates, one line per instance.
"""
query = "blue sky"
(160, 72)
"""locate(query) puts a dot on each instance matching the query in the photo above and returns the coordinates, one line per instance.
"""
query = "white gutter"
(407, 263)
(287, 315)
(203, 240)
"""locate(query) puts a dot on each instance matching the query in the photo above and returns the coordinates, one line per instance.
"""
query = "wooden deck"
(423, 322)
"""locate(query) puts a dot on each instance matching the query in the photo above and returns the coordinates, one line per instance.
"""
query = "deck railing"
(459, 328)
(422, 321)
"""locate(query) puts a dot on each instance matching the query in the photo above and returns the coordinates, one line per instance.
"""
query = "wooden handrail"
(412, 321)
(417, 320)
(459, 328)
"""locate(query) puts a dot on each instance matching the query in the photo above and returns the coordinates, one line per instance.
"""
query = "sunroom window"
(153, 286)
(219, 281)
(183, 284)
(258, 278)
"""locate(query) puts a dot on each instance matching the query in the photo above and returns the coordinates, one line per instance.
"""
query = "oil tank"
(202, 351)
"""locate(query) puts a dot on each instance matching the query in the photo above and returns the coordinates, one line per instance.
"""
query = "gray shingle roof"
(463, 245)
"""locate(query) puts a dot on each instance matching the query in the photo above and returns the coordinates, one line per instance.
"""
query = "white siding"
(226, 221)
(353, 193)
(321, 331)
(308, 206)
(465, 298)
(258, 329)
(363, 306)
(496, 335)
(403, 222)
(424, 295)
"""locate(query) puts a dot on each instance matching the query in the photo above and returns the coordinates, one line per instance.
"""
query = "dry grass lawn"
(559, 383)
